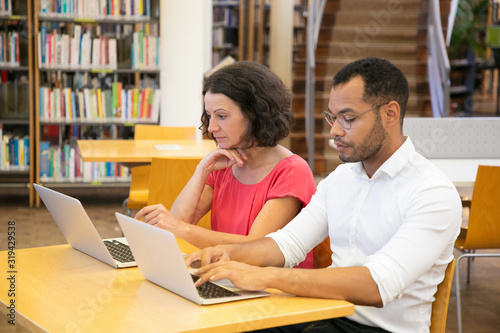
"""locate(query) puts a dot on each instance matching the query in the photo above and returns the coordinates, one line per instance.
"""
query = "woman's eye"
(222, 117)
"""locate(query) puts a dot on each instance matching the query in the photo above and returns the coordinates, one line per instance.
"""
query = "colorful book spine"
(96, 105)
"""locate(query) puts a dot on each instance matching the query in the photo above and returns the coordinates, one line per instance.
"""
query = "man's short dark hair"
(262, 97)
(384, 82)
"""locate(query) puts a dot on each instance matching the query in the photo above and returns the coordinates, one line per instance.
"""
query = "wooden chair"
(442, 300)
(483, 231)
(139, 183)
(167, 179)
(322, 254)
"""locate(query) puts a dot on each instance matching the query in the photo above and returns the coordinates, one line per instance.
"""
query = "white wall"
(185, 54)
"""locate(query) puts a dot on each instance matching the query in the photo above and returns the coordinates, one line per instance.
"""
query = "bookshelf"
(225, 33)
(241, 29)
(96, 76)
(16, 96)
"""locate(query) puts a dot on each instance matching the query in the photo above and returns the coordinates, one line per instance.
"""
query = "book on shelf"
(96, 9)
(5, 7)
(9, 49)
(225, 16)
(14, 151)
(14, 98)
(99, 105)
(77, 51)
(65, 164)
(145, 51)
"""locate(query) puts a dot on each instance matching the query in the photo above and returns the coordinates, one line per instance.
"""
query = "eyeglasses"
(344, 120)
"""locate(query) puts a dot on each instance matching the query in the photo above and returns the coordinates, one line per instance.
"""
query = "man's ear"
(392, 113)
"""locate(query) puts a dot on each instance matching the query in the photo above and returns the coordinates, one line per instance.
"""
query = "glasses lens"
(329, 117)
(341, 118)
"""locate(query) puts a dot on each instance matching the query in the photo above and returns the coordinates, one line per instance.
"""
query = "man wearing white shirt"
(392, 218)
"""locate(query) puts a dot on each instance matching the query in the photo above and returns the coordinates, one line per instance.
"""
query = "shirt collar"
(393, 165)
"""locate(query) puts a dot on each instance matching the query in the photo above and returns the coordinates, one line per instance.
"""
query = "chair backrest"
(442, 299)
(156, 132)
(322, 254)
(483, 231)
(168, 176)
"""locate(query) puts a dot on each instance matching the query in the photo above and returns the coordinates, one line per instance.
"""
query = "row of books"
(224, 37)
(65, 164)
(96, 105)
(82, 51)
(145, 51)
(225, 16)
(5, 8)
(226, 2)
(14, 151)
(79, 50)
(14, 99)
(102, 9)
(9, 48)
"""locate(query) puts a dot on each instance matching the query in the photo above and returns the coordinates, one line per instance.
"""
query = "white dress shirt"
(401, 224)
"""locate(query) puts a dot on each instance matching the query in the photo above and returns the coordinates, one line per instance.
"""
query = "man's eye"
(347, 119)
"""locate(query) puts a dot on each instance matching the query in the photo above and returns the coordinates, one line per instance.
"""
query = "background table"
(59, 289)
(141, 151)
(462, 172)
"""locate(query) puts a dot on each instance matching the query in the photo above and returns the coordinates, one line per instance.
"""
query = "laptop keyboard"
(212, 290)
(119, 251)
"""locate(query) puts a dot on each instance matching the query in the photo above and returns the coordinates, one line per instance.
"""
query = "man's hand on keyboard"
(242, 275)
(206, 256)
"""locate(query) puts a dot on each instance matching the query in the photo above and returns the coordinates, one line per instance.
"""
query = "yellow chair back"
(156, 132)
(483, 231)
(168, 177)
(139, 183)
(442, 300)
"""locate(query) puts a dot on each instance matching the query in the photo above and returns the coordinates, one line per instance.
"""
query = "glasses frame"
(330, 118)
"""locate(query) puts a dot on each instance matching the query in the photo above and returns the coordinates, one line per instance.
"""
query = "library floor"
(35, 227)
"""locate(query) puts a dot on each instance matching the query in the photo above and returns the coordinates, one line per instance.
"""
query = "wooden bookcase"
(16, 97)
(225, 32)
(241, 29)
(97, 93)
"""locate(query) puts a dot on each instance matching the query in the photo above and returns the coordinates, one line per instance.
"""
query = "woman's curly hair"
(262, 97)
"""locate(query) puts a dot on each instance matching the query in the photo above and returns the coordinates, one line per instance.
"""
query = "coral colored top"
(235, 205)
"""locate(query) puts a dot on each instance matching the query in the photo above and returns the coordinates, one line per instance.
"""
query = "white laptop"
(161, 262)
(80, 233)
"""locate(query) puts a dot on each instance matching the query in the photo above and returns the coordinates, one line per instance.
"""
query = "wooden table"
(463, 171)
(134, 152)
(59, 289)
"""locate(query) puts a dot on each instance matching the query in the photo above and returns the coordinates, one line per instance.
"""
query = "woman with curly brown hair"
(252, 185)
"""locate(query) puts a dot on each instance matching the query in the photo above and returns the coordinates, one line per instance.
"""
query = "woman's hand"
(220, 159)
(159, 216)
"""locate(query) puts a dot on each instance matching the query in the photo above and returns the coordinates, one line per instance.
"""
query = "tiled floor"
(35, 227)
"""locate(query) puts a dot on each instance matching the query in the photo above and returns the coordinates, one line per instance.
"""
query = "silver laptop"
(80, 233)
(161, 262)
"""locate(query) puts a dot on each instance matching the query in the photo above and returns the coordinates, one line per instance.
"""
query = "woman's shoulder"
(293, 164)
